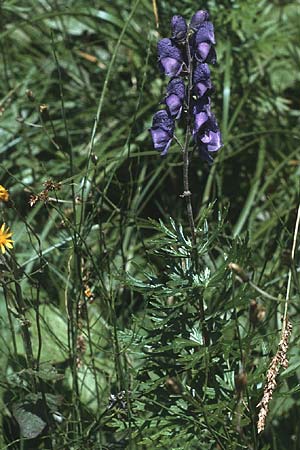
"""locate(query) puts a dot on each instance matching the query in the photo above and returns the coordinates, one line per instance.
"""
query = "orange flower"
(4, 195)
(5, 241)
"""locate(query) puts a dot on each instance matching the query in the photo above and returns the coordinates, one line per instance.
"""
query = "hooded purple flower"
(211, 140)
(198, 18)
(169, 57)
(162, 131)
(204, 40)
(175, 97)
(202, 114)
(178, 28)
(201, 79)
(206, 131)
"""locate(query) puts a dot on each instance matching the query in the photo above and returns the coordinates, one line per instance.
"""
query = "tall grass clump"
(148, 301)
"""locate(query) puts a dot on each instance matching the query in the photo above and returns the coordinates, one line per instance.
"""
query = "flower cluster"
(185, 56)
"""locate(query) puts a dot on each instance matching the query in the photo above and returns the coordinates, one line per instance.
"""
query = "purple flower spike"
(201, 79)
(162, 131)
(175, 96)
(169, 57)
(185, 57)
(198, 18)
(178, 28)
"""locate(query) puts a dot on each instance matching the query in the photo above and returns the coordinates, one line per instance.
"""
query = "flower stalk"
(184, 58)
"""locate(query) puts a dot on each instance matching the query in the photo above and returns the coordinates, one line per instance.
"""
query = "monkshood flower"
(210, 140)
(202, 113)
(201, 79)
(206, 132)
(175, 97)
(204, 41)
(179, 29)
(162, 131)
(169, 57)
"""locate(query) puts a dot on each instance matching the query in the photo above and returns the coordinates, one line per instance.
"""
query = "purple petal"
(178, 28)
(170, 66)
(170, 57)
(162, 119)
(162, 131)
(206, 33)
(174, 105)
(198, 18)
(201, 113)
(166, 48)
(202, 87)
(176, 86)
(201, 73)
(213, 141)
(175, 97)
(201, 79)
(200, 119)
(203, 50)
(161, 139)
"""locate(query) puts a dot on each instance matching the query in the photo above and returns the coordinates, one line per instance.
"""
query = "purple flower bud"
(169, 57)
(162, 131)
(198, 18)
(175, 96)
(178, 28)
(201, 79)
(204, 40)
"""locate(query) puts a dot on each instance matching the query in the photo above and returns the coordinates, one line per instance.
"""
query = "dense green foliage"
(103, 341)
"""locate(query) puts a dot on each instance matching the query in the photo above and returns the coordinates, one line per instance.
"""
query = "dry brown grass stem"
(280, 359)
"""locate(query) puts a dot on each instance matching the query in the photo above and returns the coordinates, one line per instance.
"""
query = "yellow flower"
(4, 195)
(5, 241)
(88, 293)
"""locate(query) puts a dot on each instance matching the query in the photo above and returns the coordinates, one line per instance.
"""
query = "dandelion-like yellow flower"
(4, 195)
(5, 241)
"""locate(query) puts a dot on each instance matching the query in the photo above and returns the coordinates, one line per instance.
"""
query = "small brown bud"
(52, 186)
(240, 381)
(257, 313)
(173, 385)
(30, 95)
(239, 271)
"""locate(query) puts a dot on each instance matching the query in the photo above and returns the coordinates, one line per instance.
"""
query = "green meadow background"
(101, 342)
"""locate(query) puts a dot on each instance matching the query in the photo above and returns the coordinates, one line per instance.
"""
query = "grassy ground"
(101, 342)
